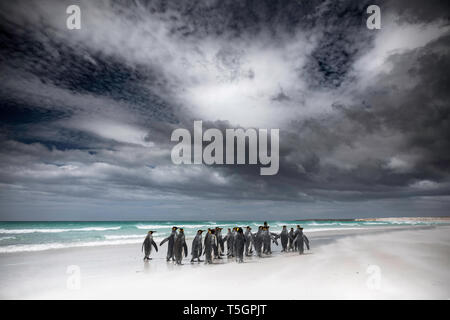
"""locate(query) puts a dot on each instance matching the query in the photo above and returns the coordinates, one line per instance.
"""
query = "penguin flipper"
(306, 241)
(154, 245)
(185, 250)
(165, 240)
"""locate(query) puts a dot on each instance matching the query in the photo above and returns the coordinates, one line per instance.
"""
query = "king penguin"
(291, 239)
(210, 239)
(171, 240)
(229, 240)
(284, 239)
(301, 240)
(197, 247)
(239, 245)
(179, 247)
(248, 241)
(258, 241)
(147, 245)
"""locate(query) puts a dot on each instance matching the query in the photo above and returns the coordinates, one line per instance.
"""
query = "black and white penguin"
(266, 240)
(171, 240)
(210, 239)
(248, 241)
(197, 247)
(301, 240)
(284, 237)
(147, 245)
(258, 241)
(179, 247)
(239, 245)
(229, 240)
(220, 243)
(291, 239)
(233, 235)
(295, 235)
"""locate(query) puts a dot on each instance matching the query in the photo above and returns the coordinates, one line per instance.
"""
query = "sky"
(86, 115)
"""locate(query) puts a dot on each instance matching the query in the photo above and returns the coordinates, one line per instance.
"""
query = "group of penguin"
(238, 243)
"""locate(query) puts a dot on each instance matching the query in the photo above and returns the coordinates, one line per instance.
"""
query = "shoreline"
(336, 232)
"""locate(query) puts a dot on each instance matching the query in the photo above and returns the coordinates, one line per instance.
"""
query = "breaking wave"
(59, 245)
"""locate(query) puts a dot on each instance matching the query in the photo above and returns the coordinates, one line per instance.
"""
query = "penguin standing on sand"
(284, 236)
(210, 239)
(220, 242)
(295, 235)
(216, 245)
(233, 235)
(229, 240)
(291, 239)
(239, 245)
(179, 247)
(171, 240)
(269, 237)
(258, 241)
(197, 247)
(301, 240)
(266, 240)
(147, 245)
(248, 241)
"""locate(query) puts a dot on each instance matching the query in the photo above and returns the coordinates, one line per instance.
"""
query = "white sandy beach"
(413, 263)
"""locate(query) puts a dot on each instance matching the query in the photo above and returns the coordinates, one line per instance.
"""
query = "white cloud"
(109, 129)
(394, 38)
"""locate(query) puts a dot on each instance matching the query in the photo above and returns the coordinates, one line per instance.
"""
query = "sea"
(39, 236)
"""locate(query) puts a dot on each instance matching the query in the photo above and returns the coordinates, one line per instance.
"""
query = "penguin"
(171, 240)
(147, 245)
(291, 239)
(210, 239)
(233, 235)
(229, 240)
(248, 241)
(220, 242)
(239, 245)
(301, 240)
(197, 247)
(266, 240)
(216, 245)
(258, 241)
(295, 235)
(284, 239)
(269, 237)
(179, 247)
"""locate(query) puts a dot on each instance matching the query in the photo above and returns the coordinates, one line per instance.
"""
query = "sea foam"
(59, 245)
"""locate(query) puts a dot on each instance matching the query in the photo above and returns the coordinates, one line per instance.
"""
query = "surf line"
(258, 148)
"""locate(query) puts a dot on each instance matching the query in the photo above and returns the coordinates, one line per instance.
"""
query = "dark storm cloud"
(363, 114)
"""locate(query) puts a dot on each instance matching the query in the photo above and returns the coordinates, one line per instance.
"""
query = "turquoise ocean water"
(37, 236)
